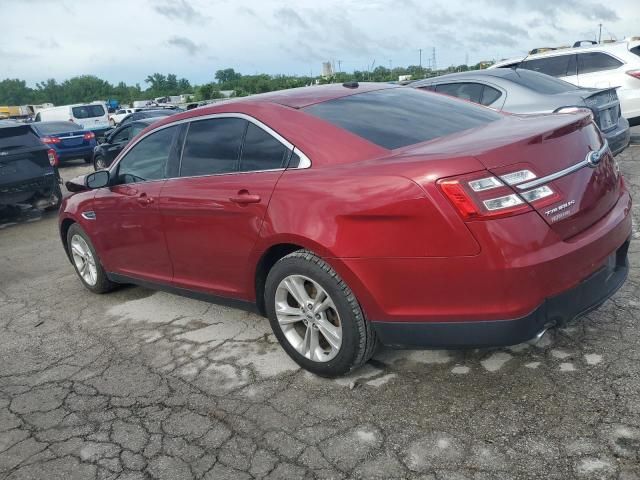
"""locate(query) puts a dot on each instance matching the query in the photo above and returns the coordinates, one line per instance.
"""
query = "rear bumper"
(75, 152)
(24, 190)
(620, 137)
(589, 294)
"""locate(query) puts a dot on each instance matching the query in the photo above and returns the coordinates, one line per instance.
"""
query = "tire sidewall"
(102, 283)
(346, 357)
(95, 162)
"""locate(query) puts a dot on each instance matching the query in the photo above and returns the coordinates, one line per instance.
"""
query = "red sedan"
(357, 214)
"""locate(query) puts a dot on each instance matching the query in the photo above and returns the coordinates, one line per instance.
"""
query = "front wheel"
(86, 262)
(55, 199)
(316, 317)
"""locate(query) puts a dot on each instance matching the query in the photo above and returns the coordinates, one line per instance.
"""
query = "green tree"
(15, 92)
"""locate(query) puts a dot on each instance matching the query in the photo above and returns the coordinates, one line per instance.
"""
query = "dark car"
(525, 91)
(28, 168)
(364, 212)
(68, 139)
(163, 112)
(116, 140)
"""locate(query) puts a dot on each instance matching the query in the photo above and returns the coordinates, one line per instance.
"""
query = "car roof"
(505, 73)
(600, 47)
(304, 96)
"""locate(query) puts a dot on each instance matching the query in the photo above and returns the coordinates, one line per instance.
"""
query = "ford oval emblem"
(593, 158)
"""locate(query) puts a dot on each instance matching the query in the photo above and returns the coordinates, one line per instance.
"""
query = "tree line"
(86, 88)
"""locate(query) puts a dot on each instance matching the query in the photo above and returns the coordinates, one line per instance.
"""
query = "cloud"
(189, 46)
(180, 10)
(290, 17)
(552, 9)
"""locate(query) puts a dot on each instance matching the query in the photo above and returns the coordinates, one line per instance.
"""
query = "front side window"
(148, 158)
(397, 117)
(557, 66)
(596, 62)
(212, 147)
(465, 90)
(261, 151)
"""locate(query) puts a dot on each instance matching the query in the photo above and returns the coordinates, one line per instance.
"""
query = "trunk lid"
(546, 145)
(71, 139)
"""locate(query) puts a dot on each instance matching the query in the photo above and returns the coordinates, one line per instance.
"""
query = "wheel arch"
(65, 225)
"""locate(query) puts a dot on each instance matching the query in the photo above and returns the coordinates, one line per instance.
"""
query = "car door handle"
(144, 199)
(244, 197)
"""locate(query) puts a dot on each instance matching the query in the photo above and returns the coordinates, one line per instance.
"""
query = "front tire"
(86, 261)
(316, 317)
(56, 199)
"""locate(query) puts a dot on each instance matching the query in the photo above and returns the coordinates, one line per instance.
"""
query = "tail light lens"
(51, 140)
(634, 73)
(89, 136)
(53, 157)
(482, 196)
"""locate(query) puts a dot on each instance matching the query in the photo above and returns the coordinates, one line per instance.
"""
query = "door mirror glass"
(97, 179)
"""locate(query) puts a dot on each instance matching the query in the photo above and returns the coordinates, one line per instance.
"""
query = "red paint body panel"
(376, 215)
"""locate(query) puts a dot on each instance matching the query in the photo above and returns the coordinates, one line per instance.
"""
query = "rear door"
(118, 140)
(559, 66)
(213, 210)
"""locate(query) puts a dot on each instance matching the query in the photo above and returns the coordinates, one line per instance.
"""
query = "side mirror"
(97, 179)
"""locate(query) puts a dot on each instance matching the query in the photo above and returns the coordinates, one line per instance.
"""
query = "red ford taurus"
(357, 214)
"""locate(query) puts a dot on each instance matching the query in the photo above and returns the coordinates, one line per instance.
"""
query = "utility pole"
(390, 65)
(339, 65)
(420, 50)
(433, 62)
(600, 34)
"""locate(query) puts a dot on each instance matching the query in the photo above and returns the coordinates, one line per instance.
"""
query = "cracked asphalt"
(140, 384)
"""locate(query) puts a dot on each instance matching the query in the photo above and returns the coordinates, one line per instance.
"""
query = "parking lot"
(143, 384)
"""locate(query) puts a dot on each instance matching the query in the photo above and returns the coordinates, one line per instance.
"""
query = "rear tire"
(99, 163)
(86, 261)
(56, 199)
(328, 336)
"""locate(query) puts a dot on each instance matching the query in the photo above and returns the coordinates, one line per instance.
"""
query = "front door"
(214, 210)
(129, 226)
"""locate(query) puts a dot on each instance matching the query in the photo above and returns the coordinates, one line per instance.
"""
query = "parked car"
(28, 172)
(162, 112)
(524, 91)
(352, 214)
(91, 116)
(105, 152)
(117, 117)
(68, 139)
(594, 66)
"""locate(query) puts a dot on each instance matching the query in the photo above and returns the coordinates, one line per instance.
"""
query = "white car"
(90, 116)
(116, 118)
(601, 65)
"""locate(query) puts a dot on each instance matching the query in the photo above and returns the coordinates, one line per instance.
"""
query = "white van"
(91, 116)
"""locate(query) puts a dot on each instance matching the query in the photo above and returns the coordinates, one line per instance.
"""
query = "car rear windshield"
(18, 136)
(51, 128)
(88, 111)
(539, 82)
(397, 117)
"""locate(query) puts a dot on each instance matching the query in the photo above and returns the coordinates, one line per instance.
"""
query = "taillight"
(89, 136)
(481, 196)
(51, 140)
(53, 157)
(634, 73)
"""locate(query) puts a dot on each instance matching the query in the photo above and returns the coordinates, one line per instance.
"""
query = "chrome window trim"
(305, 162)
(563, 173)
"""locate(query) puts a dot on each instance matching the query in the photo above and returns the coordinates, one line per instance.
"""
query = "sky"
(126, 40)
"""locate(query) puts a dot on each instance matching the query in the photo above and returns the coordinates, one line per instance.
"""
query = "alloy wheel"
(308, 318)
(83, 259)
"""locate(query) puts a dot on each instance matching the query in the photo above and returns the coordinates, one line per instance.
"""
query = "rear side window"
(396, 117)
(212, 147)
(557, 66)
(88, 111)
(490, 95)
(465, 90)
(147, 160)
(261, 151)
(596, 62)
(18, 137)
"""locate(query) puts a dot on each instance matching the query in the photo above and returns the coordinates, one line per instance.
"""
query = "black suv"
(116, 140)
(28, 168)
